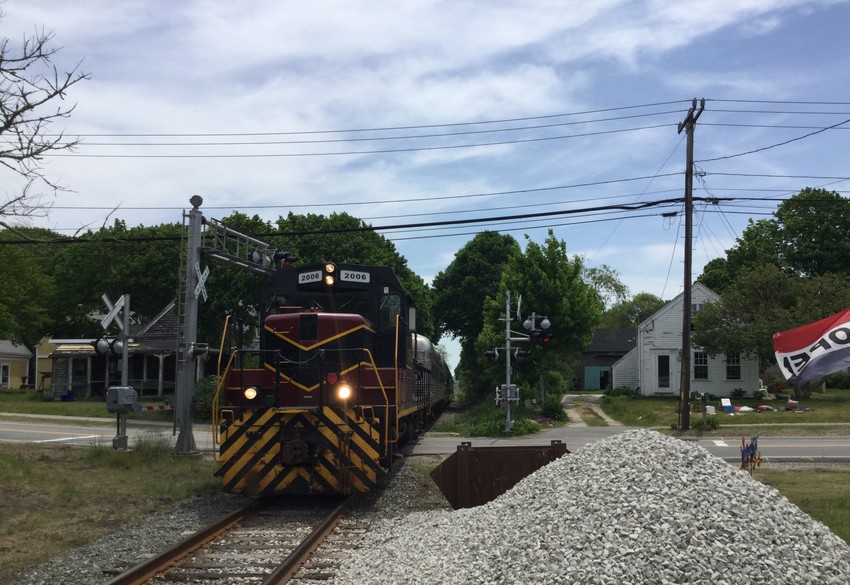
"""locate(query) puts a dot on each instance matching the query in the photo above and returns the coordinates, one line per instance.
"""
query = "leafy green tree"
(552, 284)
(341, 237)
(140, 261)
(232, 290)
(814, 228)
(474, 273)
(632, 312)
(764, 301)
(27, 289)
(607, 283)
(460, 290)
(809, 234)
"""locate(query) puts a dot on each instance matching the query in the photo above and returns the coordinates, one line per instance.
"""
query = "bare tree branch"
(32, 97)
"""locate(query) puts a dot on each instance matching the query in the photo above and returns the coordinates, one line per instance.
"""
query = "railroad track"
(266, 542)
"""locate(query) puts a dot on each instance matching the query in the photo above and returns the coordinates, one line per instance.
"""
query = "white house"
(654, 365)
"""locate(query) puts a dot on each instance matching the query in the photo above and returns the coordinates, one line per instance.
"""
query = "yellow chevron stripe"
(294, 382)
(322, 342)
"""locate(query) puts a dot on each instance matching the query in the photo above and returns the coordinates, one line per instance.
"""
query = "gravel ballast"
(639, 507)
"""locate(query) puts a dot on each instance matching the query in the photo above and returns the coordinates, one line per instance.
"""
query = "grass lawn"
(821, 492)
(825, 408)
(29, 402)
(56, 497)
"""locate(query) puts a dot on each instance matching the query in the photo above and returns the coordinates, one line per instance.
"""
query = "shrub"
(202, 398)
(553, 409)
(524, 426)
(622, 391)
(776, 386)
(838, 380)
(738, 393)
(759, 394)
(709, 423)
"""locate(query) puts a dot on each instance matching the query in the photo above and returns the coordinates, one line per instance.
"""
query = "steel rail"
(290, 566)
(156, 565)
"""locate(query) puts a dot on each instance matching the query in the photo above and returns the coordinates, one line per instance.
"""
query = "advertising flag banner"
(814, 350)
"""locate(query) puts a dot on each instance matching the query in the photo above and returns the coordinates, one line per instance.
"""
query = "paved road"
(88, 431)
(778, 449)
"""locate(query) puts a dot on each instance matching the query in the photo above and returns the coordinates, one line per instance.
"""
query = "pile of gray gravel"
(639, 507)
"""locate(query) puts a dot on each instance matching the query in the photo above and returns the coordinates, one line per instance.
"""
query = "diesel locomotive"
(340, 380)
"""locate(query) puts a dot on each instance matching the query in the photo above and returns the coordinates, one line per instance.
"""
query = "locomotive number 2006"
(354, 276)
(306, 277)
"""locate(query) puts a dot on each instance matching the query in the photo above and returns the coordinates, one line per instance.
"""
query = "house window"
(696, 308)
(700, 365)
(4, 375)
(733, 366)
(664, 371)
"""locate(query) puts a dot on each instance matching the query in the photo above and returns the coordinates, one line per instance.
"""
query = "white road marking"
(721, 443)
(68, 439)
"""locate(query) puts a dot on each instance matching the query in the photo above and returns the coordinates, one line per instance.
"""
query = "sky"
(403, 113)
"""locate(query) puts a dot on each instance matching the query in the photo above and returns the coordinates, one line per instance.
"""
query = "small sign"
(202, 278)
(355, 276)
(308, 277)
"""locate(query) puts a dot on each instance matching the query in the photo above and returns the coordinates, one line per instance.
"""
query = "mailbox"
(122, 399)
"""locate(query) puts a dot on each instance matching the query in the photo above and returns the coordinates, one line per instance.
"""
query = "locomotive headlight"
(330, 269)
(250, 393)
(343, 391)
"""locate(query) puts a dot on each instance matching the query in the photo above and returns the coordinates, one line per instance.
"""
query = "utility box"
(122, 399)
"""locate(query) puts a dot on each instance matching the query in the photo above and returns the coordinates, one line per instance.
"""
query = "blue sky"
(594, 91)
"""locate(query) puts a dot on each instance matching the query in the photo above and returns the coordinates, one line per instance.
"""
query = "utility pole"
(509, 423)
(185, 383)
(685, 387)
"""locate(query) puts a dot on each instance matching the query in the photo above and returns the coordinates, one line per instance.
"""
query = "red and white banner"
(814, 350)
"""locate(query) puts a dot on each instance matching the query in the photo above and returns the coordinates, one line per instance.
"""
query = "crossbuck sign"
(202, 278)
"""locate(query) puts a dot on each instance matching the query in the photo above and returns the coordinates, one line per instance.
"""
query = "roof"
(7, 348)
(613, 340)
(697, 288)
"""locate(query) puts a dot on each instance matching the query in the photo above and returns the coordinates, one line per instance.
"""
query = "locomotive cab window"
(389, 310)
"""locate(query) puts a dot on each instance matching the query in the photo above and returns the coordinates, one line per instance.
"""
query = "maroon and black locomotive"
(340, 380)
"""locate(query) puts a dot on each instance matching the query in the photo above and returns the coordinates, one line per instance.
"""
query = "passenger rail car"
(340, 380)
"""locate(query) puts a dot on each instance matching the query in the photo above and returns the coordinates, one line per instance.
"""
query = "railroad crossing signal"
(113, 311)
(200, 289)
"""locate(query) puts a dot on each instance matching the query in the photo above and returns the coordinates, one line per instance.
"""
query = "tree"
(764, 301)
(30, 88)
(551, 284)
(460, 291)
(233, 290)
(607, 283)
(27, 289)
(814, 228)
(116, 260)
(341, 237)
(633, 312)
(809, 234)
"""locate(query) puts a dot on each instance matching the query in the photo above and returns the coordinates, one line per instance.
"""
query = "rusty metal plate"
(476, 475)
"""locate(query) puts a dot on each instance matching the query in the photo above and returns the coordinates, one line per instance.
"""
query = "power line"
(783, 143)
(386, 128)
(382, 138)
(622, 206)
(338, 204)
(359, 152)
